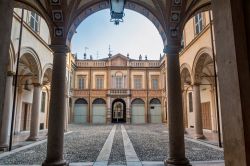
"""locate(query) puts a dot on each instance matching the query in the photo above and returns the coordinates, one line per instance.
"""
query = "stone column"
(6, 13)
(109, 110)
(232, 57)
(57, 108)
(7, 110)
(66, 113)
(184, 99)
(175, 111)
(197, 112)
(128, 110)
(213, 110)
(36, 108)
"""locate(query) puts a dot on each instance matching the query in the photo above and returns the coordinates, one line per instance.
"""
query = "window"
(99, 82)
(190, 102)
(34, 21)
(138, 82)
(198, 23)
(81, 82)
(155, 83)
(182, 41)
(118, 82)
(43, 102)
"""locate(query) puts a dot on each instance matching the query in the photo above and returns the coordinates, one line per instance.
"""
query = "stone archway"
(155, 111)
(118, 111)
(99, 111)
(80, 111)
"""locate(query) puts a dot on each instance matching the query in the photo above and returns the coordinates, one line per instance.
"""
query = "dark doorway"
(118, 111)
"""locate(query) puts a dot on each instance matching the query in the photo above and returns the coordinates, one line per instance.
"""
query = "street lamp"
(117, 11)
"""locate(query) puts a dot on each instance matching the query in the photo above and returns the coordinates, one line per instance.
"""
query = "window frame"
(37, 21)
(138, 85)
(200, 23)
(99, 81)
(81, 79)
(152, 82)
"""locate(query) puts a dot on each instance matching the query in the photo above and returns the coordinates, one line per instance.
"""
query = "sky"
(136, 35)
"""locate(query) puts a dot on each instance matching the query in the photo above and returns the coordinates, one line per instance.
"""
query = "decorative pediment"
(119, 60)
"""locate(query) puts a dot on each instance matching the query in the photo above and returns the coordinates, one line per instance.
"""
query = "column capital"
(10, 73)
(37, 84)
(172, 48)
(59, 48)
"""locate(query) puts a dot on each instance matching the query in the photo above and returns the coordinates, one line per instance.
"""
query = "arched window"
(99, 101)
(138, 101)
(155, 101)
(81, 101)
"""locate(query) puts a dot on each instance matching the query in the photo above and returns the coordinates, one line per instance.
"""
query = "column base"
(55, 163)
(199, 136)
(175, 162)
(4, 147)
(32, 138)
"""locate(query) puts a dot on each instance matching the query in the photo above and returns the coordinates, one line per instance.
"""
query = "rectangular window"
(34, 21)
(99, 82)
(182, 41)
(81, 82)
(138, 82)
(198, 23)
(118, 82)
(190, 102)
(43, 102)
(155, 83)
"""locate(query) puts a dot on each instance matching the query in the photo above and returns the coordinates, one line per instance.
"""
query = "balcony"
(119, 92)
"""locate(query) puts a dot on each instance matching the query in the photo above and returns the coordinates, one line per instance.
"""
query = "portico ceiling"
(64, 16)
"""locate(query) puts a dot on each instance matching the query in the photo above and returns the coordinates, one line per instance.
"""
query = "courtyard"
(116, 144)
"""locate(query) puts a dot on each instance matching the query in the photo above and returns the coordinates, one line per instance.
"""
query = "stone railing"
(93, 63)
(83, 63)
(84, 93)
(119, 92)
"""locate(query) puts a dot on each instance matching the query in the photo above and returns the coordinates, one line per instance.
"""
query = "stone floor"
(128, 145)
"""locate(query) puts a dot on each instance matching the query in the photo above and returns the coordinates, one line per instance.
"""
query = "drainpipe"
(15, 82)
(215, 80)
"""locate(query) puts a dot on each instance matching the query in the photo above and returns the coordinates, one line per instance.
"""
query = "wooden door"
(206, 116)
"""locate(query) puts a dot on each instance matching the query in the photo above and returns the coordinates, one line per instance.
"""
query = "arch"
(30, 58)
(99, 101)
(80, 111)
(137, 6)
(47, 74)
(155, 101)
(137, 101)
(81, 101)
(39, 9)
(185, 74)
(121, 116)
(200, 6)
(202, 58)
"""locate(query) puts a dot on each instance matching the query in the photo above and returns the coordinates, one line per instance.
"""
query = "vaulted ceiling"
(63, 16)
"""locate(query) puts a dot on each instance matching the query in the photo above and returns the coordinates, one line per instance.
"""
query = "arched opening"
(99, 111)
(45, 96)
(80, 111)
(155, 111)
(204, 78)
(118, 111)
(29, 75)
(186, 81)
(138, 111)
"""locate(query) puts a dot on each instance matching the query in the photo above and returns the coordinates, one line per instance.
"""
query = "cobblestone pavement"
(151, 144)
(85, 143)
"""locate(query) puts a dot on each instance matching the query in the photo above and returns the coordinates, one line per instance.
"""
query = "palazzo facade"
(119, 89)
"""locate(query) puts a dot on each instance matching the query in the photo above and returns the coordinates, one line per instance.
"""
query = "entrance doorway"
(118, 111)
